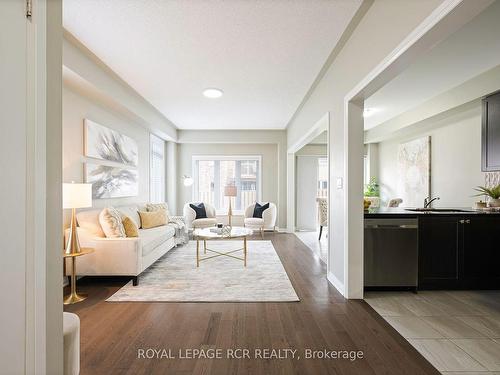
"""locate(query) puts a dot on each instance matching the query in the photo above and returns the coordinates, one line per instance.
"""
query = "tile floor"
(457, 331)
(310, 239)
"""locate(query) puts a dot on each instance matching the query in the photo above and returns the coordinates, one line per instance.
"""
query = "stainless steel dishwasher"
(391, 253)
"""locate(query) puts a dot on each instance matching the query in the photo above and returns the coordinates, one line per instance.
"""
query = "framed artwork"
(111, 181)
(414, 171)
(106, 144)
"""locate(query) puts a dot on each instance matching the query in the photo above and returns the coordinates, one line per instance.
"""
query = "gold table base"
(220, 254)
(74, 297)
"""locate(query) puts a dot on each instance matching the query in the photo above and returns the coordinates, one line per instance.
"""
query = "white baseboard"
(336, 283)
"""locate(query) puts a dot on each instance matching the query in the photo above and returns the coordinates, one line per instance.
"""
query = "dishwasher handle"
(392, 226)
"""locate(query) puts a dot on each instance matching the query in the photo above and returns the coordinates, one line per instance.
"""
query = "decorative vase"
(494, 202)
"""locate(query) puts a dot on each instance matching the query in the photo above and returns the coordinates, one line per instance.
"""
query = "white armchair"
(268, 220)
(193, 222)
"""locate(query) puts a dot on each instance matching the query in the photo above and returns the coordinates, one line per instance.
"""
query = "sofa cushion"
(254, 222)
(154, 237)
(157, 206)
(259, 209)
(153, 219)
(131, 229)
(111, 223)
(132, 212)
(204, 223)
(199, 209)
(89, 220)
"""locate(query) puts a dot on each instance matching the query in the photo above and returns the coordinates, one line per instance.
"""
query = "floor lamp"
(230, 191)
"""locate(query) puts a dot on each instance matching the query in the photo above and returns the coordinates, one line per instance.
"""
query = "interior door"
(13, 190)
(307, 181)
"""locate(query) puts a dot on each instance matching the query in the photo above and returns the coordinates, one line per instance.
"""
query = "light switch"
(340, 183)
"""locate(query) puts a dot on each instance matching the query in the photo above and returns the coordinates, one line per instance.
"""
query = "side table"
(73, 297)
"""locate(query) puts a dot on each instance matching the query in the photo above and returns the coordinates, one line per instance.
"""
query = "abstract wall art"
(414, 171)
(111, 181)
(106, 144)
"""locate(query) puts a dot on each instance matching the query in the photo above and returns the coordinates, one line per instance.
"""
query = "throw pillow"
(199, 208)
(131, 229)
(150, 207)
(111, 223)
(153, 219)
(259, 209)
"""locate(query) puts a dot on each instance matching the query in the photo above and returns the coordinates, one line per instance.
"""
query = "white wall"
(248, 137)
(76, 108)
(269, 153)
(455, 159)
(383, 27)
(306, 192)
(87, 69)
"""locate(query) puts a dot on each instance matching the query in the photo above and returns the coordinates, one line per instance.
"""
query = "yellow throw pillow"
(130, 226)
(151, 207)
(153, 219)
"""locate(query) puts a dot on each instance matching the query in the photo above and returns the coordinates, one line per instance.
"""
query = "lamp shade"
(230, 191)
(77, 195)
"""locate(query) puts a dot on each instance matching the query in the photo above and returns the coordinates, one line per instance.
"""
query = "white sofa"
(191, 220)
(267, 222)
(120, 256)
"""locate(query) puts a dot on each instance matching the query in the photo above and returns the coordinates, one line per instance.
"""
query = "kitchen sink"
(437, 210)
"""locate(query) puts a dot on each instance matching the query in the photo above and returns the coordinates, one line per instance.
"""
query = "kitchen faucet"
(428, 201)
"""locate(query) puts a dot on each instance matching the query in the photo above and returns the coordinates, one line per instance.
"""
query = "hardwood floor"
(113, 333)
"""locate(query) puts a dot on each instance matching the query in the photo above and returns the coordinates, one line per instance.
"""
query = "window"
(322, 177)
(157, 170)
(212, 173)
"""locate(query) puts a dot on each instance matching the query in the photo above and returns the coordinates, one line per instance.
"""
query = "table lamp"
(75, 196)
(230, 191)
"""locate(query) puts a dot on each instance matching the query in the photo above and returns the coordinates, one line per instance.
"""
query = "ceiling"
(472, 50)
(264, 55)
(321, 139)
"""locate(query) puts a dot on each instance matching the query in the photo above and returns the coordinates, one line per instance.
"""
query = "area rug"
(175, 277)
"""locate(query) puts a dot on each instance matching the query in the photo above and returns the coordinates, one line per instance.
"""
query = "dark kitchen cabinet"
(480, 253)
(439, 242)
(459, 252)
(490, 138)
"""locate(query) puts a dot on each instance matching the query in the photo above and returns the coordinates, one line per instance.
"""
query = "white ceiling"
(470, 51)
(264, 55)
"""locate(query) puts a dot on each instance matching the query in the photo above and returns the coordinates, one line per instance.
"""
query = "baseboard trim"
(337, 284)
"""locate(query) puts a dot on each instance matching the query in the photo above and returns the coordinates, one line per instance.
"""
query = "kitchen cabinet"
(459, 252)
(490, 136)
(480, 253)
(438, 252)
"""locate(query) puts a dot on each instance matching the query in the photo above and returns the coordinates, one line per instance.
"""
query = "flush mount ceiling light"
(213, 93)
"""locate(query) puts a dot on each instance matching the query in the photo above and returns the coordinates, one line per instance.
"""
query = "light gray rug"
(175, 277)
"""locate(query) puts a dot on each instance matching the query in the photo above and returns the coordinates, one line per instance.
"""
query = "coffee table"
(235, 233)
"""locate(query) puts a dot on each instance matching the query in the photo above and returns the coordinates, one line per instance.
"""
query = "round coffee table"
(206, 234)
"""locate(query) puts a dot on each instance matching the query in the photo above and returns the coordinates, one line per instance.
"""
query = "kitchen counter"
(398, 212)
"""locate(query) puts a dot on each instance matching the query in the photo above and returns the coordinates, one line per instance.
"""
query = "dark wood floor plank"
(112, 332)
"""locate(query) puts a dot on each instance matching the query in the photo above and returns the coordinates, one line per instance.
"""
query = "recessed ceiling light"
(213, 93)
(367, 112)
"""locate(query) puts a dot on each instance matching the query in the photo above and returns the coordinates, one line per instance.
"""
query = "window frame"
(194, 173)
(155, 139)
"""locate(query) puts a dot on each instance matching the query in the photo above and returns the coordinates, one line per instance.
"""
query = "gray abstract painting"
(107, 144)
(111, 182)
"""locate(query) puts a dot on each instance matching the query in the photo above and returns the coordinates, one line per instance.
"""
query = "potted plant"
(372, 189)
(493, 193)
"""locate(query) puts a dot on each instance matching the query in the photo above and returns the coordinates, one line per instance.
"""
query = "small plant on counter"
(493, 193)
(372, 189)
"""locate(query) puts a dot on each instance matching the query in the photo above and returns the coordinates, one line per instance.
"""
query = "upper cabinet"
(490, 154)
